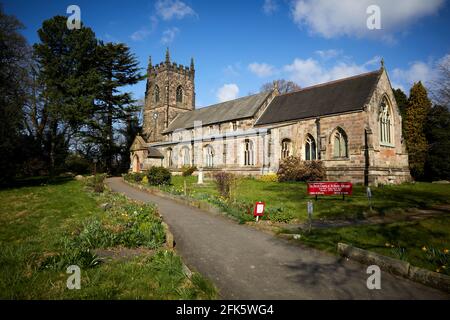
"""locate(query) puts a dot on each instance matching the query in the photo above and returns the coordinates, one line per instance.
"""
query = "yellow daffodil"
(424, 248)
(445, 250)
(387, 244)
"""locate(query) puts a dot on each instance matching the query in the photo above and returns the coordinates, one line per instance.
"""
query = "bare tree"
(284, 86)
(441, 87)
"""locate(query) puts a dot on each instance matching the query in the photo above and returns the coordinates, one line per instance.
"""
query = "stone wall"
(388, 162)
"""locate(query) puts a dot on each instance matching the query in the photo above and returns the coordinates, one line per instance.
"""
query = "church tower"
(170, 91)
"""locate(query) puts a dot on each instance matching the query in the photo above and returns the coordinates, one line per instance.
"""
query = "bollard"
(310, 208)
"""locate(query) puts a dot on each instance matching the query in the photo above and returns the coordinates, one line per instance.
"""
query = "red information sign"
(259, 209)
(330, 188)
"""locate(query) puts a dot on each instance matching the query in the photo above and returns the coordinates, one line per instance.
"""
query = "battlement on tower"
(174, 67)
(167, 65)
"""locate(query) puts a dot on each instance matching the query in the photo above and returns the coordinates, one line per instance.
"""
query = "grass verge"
(423, 243)
(45, 228)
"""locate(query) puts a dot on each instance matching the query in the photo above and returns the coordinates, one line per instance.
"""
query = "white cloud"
(429, 73)
(232, 70)
(307, 72)
(227, 92)
(328, 54)
(169, 9)
(169, 35)
(261, 69)
(144, 32)
(333, 18)
(270, 6)
(416, 71)
(141, 34)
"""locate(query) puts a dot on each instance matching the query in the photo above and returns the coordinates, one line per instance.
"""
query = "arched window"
(156, 93)
(340, 144)
(186, 156)
(286, 148)
(209, 156)
(169, 157)
(248, 153)
(180, 94)
(385, 123)
(310, 148)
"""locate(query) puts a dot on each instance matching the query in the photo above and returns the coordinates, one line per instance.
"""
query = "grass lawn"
(423, 243)
(40, 224)
(288, 200)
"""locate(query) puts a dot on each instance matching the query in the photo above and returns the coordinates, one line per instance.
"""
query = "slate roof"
(226, 111)
(345, 95)
(154, 153)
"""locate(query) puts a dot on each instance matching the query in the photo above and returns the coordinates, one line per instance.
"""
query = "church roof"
(245, 107)
(344, 95)
(154, 153)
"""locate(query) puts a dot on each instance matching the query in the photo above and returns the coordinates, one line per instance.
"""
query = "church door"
(136, 164)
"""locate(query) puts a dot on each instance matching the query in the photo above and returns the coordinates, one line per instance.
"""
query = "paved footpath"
(246, 263)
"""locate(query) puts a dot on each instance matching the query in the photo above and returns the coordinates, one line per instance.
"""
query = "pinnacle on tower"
(149, 64)
(192, 63)
(167, 55)
(275, 85)
(382, 63)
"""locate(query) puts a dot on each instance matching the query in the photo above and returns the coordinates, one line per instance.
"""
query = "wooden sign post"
(259, 210)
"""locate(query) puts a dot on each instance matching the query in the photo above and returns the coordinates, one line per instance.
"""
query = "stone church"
(352, 125)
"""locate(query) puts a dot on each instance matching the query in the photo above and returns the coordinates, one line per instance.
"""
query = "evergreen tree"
(402, 101)
(437, 131)
(14, 53)
(415, 118)
(67, 70)
(118, 68)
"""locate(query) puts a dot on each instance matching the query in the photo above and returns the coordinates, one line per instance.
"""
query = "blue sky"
(239, 45)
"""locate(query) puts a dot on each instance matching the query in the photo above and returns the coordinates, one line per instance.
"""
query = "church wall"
(388, 163)
(349, 168)
(227, 144)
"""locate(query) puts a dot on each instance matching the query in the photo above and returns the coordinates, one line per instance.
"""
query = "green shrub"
(438, 258)
(134, 177)
(77, 164)
(159, 176)
(71, 255)
(295, 169)
(97, 182)
(168, 270)
(95, 235)
(188, 171)
(150, 235)
(224, 182)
